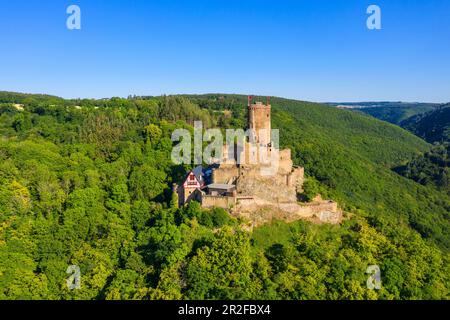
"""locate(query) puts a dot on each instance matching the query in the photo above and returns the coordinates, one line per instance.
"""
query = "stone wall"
(297, 178)
(285, 162)
(218, 202)
(225, 173)
(186, 195)
(259, 211)
(280, 187)
(272, 188)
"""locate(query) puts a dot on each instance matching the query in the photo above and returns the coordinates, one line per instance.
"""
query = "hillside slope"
(88, 183)
(393, 112)
(433, 126)
(430, 168)
(352, 155)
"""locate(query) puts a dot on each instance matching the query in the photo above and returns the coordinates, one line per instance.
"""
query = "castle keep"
(239, 184)
(259, 121)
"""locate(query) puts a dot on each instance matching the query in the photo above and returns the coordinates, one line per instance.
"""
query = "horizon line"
(224, 93)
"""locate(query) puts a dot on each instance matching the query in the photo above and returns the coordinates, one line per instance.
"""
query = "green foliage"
(89, 183)
(351, 156)
(311, 189)
(152, 133)
(328, 262)
(147, 182)
(214, 218)
(220, 218)
(431, 168)
(222, 269)
(433, 126)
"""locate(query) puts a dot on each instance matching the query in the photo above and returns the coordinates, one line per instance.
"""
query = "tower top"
(259, 121)
(258, 103)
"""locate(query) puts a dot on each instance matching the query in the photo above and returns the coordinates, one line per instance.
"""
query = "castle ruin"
(238, 183)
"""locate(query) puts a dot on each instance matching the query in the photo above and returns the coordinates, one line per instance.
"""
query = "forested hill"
(352, 155)
(88, 183)
(433, 167)
(433, 126)
(26, 98)
(393, 112)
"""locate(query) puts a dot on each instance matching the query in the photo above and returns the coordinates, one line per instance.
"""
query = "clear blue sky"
(317, 50)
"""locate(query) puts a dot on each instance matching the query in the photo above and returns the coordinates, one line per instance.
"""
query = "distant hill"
(393, 112)
(15, 97)
(433, 126)
(430, 168)
(430, 122)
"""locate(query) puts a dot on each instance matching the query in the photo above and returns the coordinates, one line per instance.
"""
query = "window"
(192, 181)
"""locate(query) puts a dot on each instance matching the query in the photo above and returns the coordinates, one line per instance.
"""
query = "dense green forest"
(430, 168)
(428, 121)
(433, 126)
(88, 183)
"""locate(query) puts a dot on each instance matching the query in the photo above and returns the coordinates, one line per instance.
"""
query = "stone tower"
(259, 121)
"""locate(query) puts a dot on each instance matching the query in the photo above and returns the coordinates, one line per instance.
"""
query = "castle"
(239, 184)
